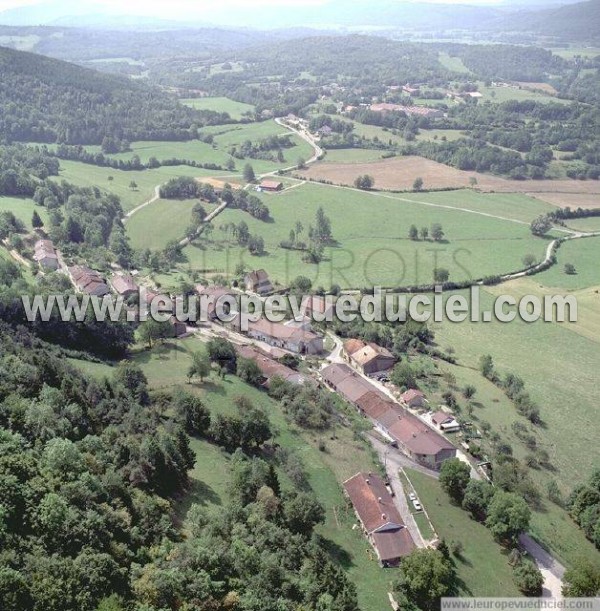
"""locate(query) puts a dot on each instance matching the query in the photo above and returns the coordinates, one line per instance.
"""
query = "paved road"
(552, 570)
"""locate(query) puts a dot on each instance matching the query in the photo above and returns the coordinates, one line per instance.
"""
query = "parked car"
(417, 505)
(412, 496)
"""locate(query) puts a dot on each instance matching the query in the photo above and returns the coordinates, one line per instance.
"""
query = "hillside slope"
(47, 100)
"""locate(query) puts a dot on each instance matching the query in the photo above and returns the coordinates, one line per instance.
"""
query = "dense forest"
(45, 100)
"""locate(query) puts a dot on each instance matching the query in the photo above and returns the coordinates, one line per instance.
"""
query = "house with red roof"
(379, 518)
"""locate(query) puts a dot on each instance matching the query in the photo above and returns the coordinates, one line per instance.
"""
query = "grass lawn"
(372, 234)
(439, 134)
(165, 367)
(163, 220)
(572, 52)
(482, 568)
(234, 109)
(23, 209)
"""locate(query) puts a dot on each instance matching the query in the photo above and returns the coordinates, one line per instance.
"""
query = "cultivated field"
(371, 231)
(400, 172)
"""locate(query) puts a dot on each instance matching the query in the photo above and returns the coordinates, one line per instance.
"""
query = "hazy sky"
(162, 8)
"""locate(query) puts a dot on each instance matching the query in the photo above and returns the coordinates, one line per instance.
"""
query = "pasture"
(372, 245)
(23, 209)
(118, 181)
(559, 364)
(455, 64)
(234, 109)
(161, 221)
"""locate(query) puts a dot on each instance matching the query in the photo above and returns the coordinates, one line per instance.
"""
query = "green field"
(371, 230)
(482, 568)
(502, 94)
(161, 221)
(572, 52)
(589, 224)
(453, 63)
(234, 109)
(85, 175)
(166, 366)
(22, 208)
(507, 205)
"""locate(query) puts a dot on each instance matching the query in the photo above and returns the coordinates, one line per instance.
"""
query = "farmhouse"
(179, 328)
(412, 398)
(124, 285)
(270, 368)
(258, 282)
(319, 308)
(412, 436)
(288, 337)
(212, 294)
(368, 357)
(445, 422)
(270, 185)
(88, 281)
(45, 255)
(379, 518)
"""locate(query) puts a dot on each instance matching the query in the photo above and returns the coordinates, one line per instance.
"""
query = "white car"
(417, 505)
(412, 496)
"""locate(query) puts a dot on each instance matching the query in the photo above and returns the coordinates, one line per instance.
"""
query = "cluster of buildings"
(379, 518)
(418, 111)
(368, 357)
(88, 281)
(393, 420)
(45, 255)
(271, 368)
(291, 335)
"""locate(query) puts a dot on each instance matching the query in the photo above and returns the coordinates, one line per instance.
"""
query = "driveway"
(552, 570)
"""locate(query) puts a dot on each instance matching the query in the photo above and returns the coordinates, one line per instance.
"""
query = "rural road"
(155, 197)
(550, 568)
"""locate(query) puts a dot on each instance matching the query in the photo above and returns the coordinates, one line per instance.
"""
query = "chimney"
(368, 482)
(380, 499)
(383, 516)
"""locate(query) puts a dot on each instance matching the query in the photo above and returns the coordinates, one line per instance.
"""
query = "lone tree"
(365, 182)
(249, 175)
(424, 578)
(508, 516)
(36, 221)
(440, 275)
(528, 578)
(437, 232)
(570, 269)
(133, 185)
(529, 260)
(418, 184)
(454, 478)
(413, 232)
(301, 163)
(540, 226)
(200, 366)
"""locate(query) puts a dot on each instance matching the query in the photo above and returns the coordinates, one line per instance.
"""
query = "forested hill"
(47, 100)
